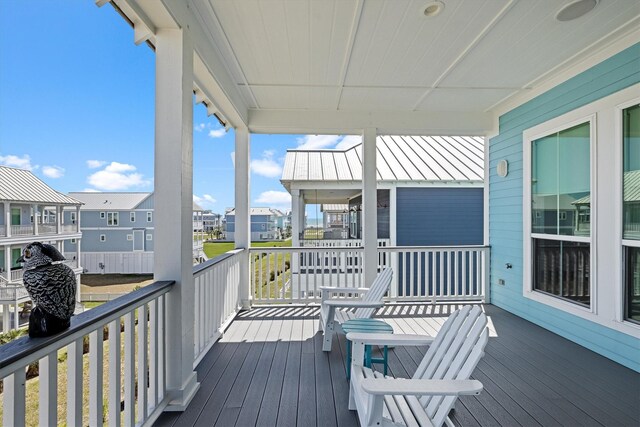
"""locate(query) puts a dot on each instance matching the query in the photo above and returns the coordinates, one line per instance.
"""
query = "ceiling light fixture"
(433, 8)
(575, 10)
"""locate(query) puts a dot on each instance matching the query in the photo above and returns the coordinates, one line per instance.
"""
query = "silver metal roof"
(113, 201)
(399, 158)
(334, 207)
(95, 200)
(254, 211)
(631, 189)
(20, 185)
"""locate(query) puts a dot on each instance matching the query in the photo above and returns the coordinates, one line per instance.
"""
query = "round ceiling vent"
(433, 8)
(575, 10)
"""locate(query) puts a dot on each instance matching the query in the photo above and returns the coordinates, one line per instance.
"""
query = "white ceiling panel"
(295, 97)
(380, 99)
(462, 99)
(397, 45)
(528, 42)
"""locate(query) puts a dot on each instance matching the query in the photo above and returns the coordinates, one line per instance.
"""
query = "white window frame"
(149, 237)
(73, 241)
(606, 211)
(620, 302)
(558, 124)
(72, 217)
(103, 238)
(115, 219)
(129, 237)
(132, 216)
(149, 216)
(103, 215)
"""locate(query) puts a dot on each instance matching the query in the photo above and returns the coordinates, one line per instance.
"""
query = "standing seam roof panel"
(453, 154)
(419, 163)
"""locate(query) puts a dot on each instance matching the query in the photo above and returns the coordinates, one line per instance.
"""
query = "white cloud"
(115, 177)
(199, 127)
(275, 199)
(95, 164)
(316, 142)
(53, 171)
(23, 162)
(348, 141)
(266, 166)
(204, 201)
(217, 133)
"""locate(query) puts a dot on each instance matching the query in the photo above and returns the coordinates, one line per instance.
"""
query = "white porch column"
(242, 233)
(295, 218)
(35, 219)
(369, 206)
(59, 213)
(173, 195)
(7, 262)
(77, 219)
(7, 218)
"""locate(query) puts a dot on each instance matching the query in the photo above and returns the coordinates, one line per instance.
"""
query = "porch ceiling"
(342, 65)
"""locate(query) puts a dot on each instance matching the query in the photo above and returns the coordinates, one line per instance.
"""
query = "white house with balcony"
(31, 211)
(553, 88)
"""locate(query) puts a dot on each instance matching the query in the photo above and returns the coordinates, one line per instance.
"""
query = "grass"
(277, 263)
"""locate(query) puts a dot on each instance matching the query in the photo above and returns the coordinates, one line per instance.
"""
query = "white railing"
(136, 329)
(3, 230)
(293, 275)
(21, 230)
(72, 263)
(289, 275)
(448, 273)
(217, 299)
(46, 228)
(341, 243)
(16, 275)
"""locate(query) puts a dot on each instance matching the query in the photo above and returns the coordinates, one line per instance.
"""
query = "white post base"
(180, 399)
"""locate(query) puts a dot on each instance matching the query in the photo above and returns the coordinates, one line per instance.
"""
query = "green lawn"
(218, 248)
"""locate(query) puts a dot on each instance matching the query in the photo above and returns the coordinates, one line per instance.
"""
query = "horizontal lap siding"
(505, 204)
(439, 216)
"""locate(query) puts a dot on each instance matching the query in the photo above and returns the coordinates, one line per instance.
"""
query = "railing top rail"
(24, 347)
(431, 248)
(307, 249)
(216, 260)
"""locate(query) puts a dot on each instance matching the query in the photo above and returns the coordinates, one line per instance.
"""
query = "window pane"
(544, 185)
(574, 198)
(560, 182)
(631, 162)
(632, 284)
(562, 269)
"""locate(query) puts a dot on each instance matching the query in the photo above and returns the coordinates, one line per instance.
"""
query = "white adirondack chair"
(443, 375)
(334, 312)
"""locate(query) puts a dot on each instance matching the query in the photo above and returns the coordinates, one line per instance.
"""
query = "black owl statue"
(52, 288)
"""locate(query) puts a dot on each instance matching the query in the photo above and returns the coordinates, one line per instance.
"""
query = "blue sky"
(77, 108)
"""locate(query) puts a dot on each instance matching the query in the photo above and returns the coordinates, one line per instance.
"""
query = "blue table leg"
(385, 359)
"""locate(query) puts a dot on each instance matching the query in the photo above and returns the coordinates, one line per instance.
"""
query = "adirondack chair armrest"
(338, 289)
(420, 387)
(388, 339)
(352, 303)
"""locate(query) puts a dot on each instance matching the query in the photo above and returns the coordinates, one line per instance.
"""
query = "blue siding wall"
(505, 204)
(439, 216)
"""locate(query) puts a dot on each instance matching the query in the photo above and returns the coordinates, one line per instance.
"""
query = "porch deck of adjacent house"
(269, 370)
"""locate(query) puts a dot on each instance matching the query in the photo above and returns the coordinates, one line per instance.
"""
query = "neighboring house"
(211, 221)
(118, 232)
(31, 211)
(430, 189)
(264, 224)
(335, 220)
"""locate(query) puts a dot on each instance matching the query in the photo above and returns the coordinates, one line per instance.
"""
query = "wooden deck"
(269, 370)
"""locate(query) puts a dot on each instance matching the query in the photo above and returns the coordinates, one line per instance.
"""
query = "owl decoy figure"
(52, 288)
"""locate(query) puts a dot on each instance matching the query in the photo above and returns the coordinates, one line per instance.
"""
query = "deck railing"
(16, 275)
(333, 243)
(46, 228)
(21, 230)
(217, 284)
(141, 314)
(294, 275)
(447, 273)
(69, 228)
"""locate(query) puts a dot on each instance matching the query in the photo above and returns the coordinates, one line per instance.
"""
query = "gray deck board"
(269, 370)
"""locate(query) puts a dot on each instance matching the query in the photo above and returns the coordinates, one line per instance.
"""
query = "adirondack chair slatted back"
(454, 354)
(377, 290)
